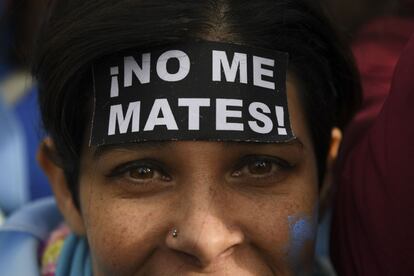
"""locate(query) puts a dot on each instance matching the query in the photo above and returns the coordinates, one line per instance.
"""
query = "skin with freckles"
(230, 202)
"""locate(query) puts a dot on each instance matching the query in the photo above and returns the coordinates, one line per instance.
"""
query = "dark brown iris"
(142, 173)
(260, 167)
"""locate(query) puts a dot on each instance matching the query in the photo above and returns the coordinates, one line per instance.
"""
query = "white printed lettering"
(280, 116)
(183, 69)
(131, 68)
(259, 72)
(260, 116)
(194, 105)
(167, 119)
(239, 64)
(114, 81)
(116, 116)
(222, 114)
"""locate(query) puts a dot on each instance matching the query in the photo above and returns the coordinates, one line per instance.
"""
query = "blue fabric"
(14, 190)
(18, 254)
(28, 114)
(23, 233)
(74, 260)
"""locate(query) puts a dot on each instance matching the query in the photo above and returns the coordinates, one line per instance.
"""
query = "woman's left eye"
(141, 173)
(261, 167)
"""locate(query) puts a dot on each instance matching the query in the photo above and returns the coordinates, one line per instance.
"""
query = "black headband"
(192, 91)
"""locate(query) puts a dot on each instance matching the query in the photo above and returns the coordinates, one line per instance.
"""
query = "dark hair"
(78, 32)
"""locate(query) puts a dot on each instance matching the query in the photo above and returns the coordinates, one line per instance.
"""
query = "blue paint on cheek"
(302, 230)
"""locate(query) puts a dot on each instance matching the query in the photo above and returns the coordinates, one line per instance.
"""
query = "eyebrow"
(101, 150)
(160, 145)
(294, 142)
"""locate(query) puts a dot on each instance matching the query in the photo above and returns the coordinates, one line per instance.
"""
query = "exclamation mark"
(114, 82)
(280, 116)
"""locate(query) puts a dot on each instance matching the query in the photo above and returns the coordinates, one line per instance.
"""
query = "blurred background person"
(373, 215)
(21, 179)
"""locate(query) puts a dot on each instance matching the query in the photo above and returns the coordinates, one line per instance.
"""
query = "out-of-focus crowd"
(21, 180)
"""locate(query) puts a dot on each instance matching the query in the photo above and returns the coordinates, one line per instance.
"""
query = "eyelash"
(122, 170)
(279, 163)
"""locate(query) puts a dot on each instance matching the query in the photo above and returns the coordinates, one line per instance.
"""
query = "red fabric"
(373, 218)
(376, 48)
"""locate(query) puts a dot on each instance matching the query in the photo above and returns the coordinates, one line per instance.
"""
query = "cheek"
(121, 232)
(286, 230)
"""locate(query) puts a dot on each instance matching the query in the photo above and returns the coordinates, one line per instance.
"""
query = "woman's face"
(239, 208)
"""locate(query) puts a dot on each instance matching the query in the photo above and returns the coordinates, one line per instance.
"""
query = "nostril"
(194, 261)
(188, 258)
(228, 252)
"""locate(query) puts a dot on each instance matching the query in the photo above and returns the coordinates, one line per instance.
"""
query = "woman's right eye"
(261, 167)
(140, 173)
(144, 173)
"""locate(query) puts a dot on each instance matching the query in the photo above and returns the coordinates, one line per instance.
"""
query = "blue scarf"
(74, 259)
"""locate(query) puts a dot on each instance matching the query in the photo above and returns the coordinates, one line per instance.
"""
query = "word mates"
(227, 110)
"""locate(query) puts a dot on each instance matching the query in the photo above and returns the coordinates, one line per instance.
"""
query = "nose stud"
(175, 233)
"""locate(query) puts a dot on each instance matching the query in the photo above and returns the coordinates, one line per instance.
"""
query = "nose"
(203, 236)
